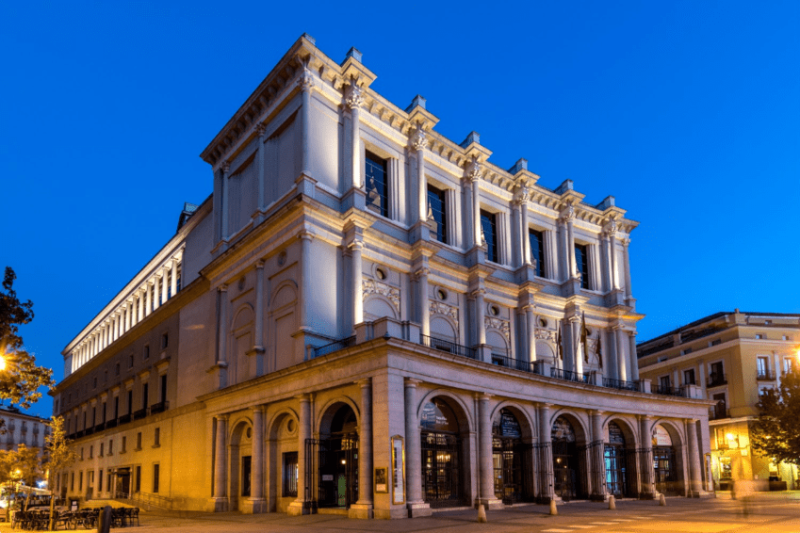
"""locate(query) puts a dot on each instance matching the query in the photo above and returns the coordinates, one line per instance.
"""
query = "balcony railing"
(159, 407)
(141, 413)
(334, 346)
(568, 375)
(620, 384)
(718, 412)
(765, 375)
(669, 391)
(447, 346)
(510, 362)
(111, 423)
(716, 380)
(124, 419)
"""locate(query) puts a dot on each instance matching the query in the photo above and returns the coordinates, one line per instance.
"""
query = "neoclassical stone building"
(369, 318)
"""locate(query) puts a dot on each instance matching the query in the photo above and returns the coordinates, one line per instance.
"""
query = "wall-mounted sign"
(398, 470)
(381, 481)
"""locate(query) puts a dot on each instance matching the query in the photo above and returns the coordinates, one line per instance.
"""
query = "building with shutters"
(370, 318)
(733, 357)
(17, 428)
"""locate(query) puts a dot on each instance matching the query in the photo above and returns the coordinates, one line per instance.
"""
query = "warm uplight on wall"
(733, 440)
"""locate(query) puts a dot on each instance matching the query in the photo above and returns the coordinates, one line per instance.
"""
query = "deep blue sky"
(687, 112)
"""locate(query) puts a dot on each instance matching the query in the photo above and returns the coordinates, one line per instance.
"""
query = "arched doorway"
(240, 455)
(441, 455)
(569, 461)
(620, 461)
(338, 460)
(508, 458)
(665, 462)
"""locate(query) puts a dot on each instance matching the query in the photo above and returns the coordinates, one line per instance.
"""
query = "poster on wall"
(661, 437)
(381, 483)
(398, 470)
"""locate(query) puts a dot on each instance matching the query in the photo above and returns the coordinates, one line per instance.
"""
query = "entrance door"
(246, 474)
(615, 461)
(508, 458)
(123, 487)
(338, 462)
(565, 460)
(664, 466)
(440, 444)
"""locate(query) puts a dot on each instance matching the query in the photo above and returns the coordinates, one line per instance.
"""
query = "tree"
(58, 456)
(28, 467)
(776, 433)
(21, 379)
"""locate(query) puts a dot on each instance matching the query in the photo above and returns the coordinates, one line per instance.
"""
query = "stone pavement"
(769, 513)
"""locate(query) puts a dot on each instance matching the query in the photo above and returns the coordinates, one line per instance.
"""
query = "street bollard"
(481, 514)
(662, 501)
(104, 520)
(553, 508)
(612, 503)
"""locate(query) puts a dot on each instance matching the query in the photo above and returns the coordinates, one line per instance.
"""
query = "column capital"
(644, 418)
(356, 245)
(423, 272)
(473, 171)
(306, 235)
(610, 228)
(477, 292)
(306, 81)
(226, 166)
(353, 96)
(483, 396)
(223, 288)
(544, 405)
(302, 398)
(261, 129)
(567, 214)
(364, 383)
(521, 197)
(261, 409)
(596, 412)
(223, 417)
(411, 383)
(419, 139)
(692, 420)
(260, 264)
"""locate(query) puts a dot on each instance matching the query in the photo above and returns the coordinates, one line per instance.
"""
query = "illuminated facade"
(19, 428)
(733, 357)
(366, 316)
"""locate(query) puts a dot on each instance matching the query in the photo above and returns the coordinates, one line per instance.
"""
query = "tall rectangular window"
(763, 366)
(438, 211)
(688, 377)
(116, 407)
(138, 482)
(145, 392)
(582, 264)
(663, 382)
(155, 478)
(377, 184)
(111, 447)
(536, 239)
(157, 438)
(290, 474)
(124, 444)
(787, 365)
(130, 402)
(139, 441)
(489, 227)
(100, 481)
(163, 388)
(146, 352)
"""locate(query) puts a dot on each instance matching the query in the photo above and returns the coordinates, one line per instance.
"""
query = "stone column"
(226, 167)
(468, 222)
(129, 315)
(156, 281)
(222, 328)
(416, 506)
(476, 209)
(577, 346)
(363, 507)
(419, 142)
(524, 230)
(259, 326)
(695, 472)
(530, 321)
(306, 84)
(164, 284)
(634, 360)
(148, 306)
(173, 287)
(354, 99)
(611, 230)
(422, 300)
(305, 264)
(598, 457)
(302, 505)
(220, 466)
(488, 498)
(545, 453)
(257, 501)
(480, 320)
(356, 271)
(647, 478)
(622, 361)
(140, 297)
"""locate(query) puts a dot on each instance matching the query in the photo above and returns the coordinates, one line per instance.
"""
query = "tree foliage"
(21, 378)
(776, 433)
(58, 456)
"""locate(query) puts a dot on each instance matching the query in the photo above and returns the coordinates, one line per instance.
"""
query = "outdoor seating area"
(39, 519)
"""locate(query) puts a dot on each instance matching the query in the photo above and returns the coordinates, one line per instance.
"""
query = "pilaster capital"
(420, 273)
(261, 129)
(226, 166)
(567, 214)
(222, 288)
(356, 245)
(632, 333)
(618, 326)
(692, 421)
(522, 196)
(259, 409)
(411, 383)
(306, 81)
(596, 412)
(364, 383)
(354, 96)
(483, 396)
(473, 171)
(306, 235)
(610, 228)
(223, 417)
(477, 292)
(625, 242)
(260, 264)
(644, 418)
(303, 398)
(419, 139)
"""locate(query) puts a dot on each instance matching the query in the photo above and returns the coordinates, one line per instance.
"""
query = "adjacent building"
(18, 428)
(368, 317)
(733, 357)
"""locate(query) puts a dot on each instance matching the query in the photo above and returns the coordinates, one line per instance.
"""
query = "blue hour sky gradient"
(687, 112)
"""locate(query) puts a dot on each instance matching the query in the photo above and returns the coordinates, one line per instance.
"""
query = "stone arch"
(377, 306)
(243, 316)
(629, 431)
(544, 350)
(326, 413)
(677, 436)
(497, 340)
(626, 478)
(526, 422)
(443, 327)
(461, 411)
(283, 294)
(240, 446)
(274, 450)
(578, 425)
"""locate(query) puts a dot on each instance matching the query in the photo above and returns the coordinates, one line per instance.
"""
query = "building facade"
(17, 428)
(733, 357)
(368, 317)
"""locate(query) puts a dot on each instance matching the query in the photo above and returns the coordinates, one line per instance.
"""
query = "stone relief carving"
(354, 96)
(498, 324)
(441, 308)
(545, 335)
(419, 140)
(370, 286)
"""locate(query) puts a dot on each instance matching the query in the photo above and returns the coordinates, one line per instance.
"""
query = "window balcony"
(620, 384)
(111, 423)
(765, 375)
(449, 347)
(670, 391)
(510, 362)
(717, 380)
(568, 375)
(159, 407)
(141, 413)
(124, 419)
(718, 412)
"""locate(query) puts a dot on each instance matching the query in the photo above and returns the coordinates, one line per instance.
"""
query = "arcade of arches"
(455, 455)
